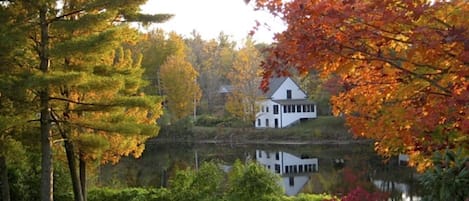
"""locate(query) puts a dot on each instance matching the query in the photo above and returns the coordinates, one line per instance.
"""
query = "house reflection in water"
(294, 170)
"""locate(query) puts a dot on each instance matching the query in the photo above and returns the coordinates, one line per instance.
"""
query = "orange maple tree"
(403, 65)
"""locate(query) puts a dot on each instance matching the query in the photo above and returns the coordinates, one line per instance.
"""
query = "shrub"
(448, 179)
(207, 120)
(312, 197)
(234, 122)
(179, 129)
(253, 182)
(360, 194)
(204, 184)
(128, 194)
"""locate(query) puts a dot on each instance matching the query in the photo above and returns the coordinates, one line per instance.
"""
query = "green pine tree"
(83, 87)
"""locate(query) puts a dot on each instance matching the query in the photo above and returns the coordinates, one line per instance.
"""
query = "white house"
(294, 170)
(285, 103)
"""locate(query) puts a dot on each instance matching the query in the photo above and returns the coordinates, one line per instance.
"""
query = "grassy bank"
(320, 130)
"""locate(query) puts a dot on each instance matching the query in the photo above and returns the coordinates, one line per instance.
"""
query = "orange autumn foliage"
(403, 65)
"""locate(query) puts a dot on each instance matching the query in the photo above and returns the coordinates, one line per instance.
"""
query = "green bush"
(24, 175)
(448, 179)
(310, 197)
(253, 182)
(128, 194)
(244, 182)
(212, 121)
(207, 120)
(204, 184)
(24, 183)
(179, 129)
(235, 123)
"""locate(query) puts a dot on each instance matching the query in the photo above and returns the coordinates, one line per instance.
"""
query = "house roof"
(225, 89)
(274, 84)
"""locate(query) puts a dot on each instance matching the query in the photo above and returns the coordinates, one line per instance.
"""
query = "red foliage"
(403, 67)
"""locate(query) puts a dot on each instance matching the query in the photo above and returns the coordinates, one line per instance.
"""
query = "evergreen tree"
(14, 107)
(83, 87)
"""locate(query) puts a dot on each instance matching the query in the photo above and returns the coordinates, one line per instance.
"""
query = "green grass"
(322, 128)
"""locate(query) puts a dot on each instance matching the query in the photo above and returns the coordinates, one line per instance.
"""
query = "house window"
(289, 109)
(288, 94)
(276, 123)
(260, 154)
(277, 156)
(284, 109)
(258, 122)
(298, 108)
(291, 181)
(267, 109)
(293, 108)
(266, 122)
(312, 108)
(275, 109)
(300, 168)
(304, 108)
(277, 168)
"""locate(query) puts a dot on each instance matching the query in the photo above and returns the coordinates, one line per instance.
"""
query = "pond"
(328, 168)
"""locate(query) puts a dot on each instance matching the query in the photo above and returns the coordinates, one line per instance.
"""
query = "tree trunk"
(72, 166)
(47, 179)
(83, 176)
(5, 183)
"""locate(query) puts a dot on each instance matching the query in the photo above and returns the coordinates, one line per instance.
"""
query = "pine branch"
(82, 103)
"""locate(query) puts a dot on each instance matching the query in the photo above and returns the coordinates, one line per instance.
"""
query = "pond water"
(335, 169)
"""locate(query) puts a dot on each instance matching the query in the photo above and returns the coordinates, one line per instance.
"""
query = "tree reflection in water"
(361, 167)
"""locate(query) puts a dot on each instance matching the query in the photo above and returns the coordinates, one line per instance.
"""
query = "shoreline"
(262, 141)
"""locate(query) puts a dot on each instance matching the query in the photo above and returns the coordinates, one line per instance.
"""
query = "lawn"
(322, 128)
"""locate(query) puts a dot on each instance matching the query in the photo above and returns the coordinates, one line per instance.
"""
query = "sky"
(210, 17)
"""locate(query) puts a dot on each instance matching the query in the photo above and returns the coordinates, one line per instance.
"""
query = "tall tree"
(213, 60)
(179, 82)
(245, 79)
(156, 47)
(71, 39)
(403, 65)
(14, 100)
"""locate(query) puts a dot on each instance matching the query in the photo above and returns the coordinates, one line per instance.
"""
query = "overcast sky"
(210, 17)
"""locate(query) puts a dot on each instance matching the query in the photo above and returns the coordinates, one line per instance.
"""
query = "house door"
(276, 123)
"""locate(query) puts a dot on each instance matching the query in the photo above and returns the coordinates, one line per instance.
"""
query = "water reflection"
(402, 188)
(293, 170)
(335, 169)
